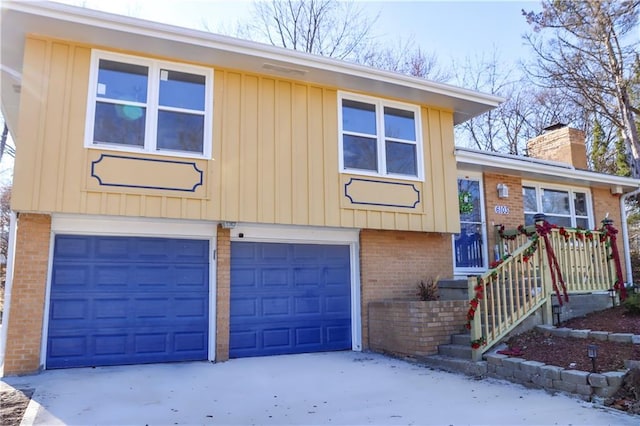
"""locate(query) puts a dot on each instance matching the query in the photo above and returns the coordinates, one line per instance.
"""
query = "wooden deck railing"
(504, 296)
(522, 281)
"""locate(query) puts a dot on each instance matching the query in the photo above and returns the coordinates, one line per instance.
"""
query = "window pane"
(121, 124)
(468, 246)
(528, 219)
(125, 82)
(182, 90)
(530, 202)
(469, 198)
(360, 153)
(555, 201)
(180, 132)
(358, 117)
(401, 158)
(399, 124)
(560, 221)
(580, 203)
(582, 222)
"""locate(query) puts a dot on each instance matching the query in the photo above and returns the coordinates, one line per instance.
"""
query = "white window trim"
(380, 140)
(539, 186)
(152, 106)
(464, 271)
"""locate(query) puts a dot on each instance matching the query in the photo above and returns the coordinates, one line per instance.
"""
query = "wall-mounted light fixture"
(503, 190)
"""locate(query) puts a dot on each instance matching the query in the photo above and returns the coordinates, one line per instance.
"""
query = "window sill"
(163, 154)
(356, 172)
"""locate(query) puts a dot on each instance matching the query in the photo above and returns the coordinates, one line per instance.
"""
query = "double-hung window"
(379, 137)
(562, 206)
(145, 105)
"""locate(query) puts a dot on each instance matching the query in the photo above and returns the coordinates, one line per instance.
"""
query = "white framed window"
(563, 206)
(379, 137)
(145, 105)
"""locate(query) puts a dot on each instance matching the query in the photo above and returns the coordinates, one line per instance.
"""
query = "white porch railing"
(526, 280)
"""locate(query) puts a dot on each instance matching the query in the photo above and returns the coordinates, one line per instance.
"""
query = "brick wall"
(605, 202)
(414, 328)
(392, 263)
(223, 294)
(24, 328)
(513, 202)
(565, 145)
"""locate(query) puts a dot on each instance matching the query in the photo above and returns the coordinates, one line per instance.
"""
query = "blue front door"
(127, 300)
(289, 298)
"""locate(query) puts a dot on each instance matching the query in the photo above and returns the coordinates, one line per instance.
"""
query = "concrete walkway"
(327, 388)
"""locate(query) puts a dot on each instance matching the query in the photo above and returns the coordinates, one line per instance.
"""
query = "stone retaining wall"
(586, 385)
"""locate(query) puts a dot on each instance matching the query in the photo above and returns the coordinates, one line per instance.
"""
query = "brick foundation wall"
(392, 263)
(24, 328)
(414, 328)
(223, 293)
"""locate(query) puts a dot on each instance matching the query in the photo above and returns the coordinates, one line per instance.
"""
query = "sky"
(453, 30)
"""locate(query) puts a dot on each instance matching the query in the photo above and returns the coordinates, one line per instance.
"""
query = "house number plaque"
(501, 209)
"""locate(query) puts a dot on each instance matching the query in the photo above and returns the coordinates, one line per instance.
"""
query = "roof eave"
(536, 169)
(122, 32)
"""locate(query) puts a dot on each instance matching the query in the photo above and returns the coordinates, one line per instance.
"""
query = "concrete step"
(455, 351)
(461, 339)
(455, 365)
(453, 289)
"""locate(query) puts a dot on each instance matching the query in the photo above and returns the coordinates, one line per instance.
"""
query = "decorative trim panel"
(146, 173)
(380, 193)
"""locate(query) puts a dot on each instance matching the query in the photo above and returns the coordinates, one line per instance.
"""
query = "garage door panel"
(274, 277)
(122, 308)
(275, 306)
(244, 307)
(72, 247)
(307, 305)
(281, 301)
(71, 277)
(307, 277)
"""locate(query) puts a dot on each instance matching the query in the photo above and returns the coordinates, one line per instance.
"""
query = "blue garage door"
(123, 300)
(289, 298)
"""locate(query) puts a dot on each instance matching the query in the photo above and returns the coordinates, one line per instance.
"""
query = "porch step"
(455, 365)
(459, 347)
(453, 289)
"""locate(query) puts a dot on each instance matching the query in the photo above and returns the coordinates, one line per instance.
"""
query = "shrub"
(428, 290)
(632, 304)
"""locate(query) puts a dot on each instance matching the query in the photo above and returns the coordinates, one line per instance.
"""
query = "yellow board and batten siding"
(275, 156)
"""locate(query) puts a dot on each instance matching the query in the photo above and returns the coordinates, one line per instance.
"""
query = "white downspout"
(13, 226)
(625, 233)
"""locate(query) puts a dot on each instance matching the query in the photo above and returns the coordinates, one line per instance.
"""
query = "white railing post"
(476, 323)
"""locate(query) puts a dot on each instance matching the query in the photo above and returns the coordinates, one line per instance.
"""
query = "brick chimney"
(560, 143)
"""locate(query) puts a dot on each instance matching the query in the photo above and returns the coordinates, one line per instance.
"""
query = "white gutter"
(625, 234)
(11, 246)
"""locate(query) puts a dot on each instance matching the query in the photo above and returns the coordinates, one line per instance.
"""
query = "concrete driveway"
(326, 388)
